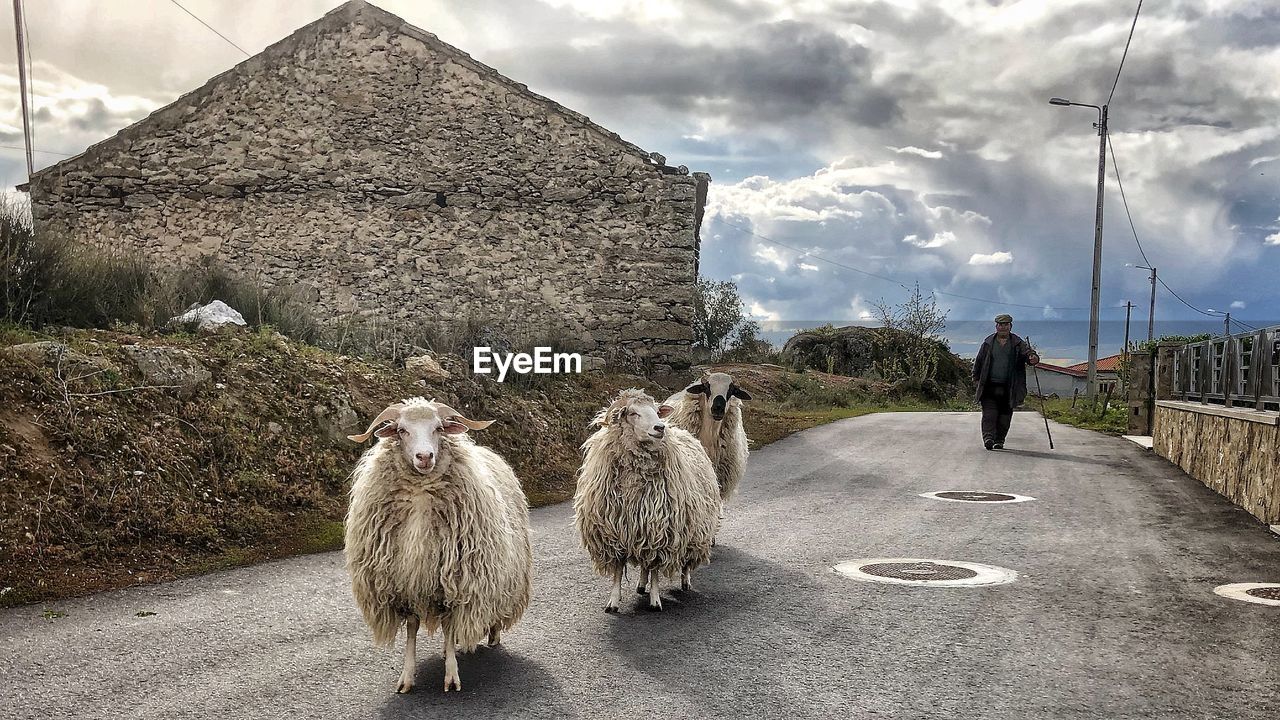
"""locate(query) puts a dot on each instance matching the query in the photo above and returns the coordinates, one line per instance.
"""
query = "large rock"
(56, 356)
(211, 317)
(426, 367)
(856, 350)
(170, 367)
(336, 420)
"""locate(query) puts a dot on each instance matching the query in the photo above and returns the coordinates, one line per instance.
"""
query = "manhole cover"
(1266, 593)
(971, 496)
(1259, 593)
(976, 496)
(920, 571)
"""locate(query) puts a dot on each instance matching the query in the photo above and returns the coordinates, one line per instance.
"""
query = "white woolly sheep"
(646, 496)
(437, 533)
(711, 410)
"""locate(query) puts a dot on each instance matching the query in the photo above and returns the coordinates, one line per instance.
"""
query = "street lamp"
(1151, 315)
(1092, 377)
(1226, 320)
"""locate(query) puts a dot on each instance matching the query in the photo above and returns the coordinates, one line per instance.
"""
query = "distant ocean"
(1058, 341)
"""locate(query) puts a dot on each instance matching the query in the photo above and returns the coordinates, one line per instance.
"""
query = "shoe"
(999, 446)
(988, 443)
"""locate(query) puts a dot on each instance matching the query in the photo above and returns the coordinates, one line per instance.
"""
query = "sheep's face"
(641, 420)
(420, 430)
(719, 389)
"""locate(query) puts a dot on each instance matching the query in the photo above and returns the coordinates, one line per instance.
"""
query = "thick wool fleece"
(451, 548)
(725, 445)
(656, 508)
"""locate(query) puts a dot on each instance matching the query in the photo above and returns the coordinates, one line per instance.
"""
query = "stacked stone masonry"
(393, 175)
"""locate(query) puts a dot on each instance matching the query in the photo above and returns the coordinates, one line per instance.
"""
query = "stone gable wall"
(397, 178)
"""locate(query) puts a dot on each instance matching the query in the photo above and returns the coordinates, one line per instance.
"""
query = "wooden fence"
(1241, 370)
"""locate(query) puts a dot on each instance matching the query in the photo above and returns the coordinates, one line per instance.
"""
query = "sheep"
(437, 533)
(646, 495)
(711, 409)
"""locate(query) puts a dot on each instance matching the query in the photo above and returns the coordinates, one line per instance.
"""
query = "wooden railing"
(1241, 370)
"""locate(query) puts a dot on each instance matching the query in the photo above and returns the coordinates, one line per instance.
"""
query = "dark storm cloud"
(770, 72)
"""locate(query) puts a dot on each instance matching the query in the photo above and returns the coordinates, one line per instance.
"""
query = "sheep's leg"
(410, 654)
(655, 600)
(686, 579)
(495, 636)
(450, 664)
(642, 587)
(616, 596)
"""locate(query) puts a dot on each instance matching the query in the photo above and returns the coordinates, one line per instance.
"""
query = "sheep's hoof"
(655, 607)
(404, 687)
(611, 609)
(686, 586)
(452, 681)
(495, 637)
(642, 589)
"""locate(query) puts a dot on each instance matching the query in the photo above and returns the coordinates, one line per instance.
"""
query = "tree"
(922, 322)
(717, 311)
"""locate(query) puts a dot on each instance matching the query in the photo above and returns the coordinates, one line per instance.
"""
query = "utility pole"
(1095, 297)
(22, 83)
(1226, 321)
(1151, 314)
(1128, 309)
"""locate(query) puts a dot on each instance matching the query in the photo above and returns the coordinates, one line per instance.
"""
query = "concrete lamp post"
(1151, 314)
(1094, 300)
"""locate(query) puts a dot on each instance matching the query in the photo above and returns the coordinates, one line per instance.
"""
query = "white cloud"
(1049, 313)
(995, 258)
(946, 237)
(911, 150)
(760, 312)
(1273, 239)
(1238, 305)
(771, 255)
(807, 266)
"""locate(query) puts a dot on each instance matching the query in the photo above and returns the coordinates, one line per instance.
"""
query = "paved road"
(1112, 615)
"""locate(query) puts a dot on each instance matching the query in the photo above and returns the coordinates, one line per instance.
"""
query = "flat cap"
(1004, 317)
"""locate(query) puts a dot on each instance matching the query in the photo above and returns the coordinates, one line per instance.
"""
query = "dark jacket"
(1018, 380)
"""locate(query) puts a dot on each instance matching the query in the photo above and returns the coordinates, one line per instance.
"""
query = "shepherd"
(1000, 372)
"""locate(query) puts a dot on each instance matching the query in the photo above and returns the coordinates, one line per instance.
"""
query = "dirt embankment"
(128, 458)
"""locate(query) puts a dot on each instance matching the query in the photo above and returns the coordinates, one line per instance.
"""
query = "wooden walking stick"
(1043, 414)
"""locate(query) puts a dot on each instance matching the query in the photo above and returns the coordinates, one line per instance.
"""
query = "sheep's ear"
(453, 427)
(665, 410)
(387, 430)
(699, 388)
(735, 391)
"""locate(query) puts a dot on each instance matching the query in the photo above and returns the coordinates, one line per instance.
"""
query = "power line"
(31, 77)
(47, 152)
(883, 277)
(1126, 52)
(1115, 167)
(215, 32)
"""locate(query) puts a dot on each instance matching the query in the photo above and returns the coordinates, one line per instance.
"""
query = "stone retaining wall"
(1235, 452)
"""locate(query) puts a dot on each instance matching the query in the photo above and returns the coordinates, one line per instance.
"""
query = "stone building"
(389, 173)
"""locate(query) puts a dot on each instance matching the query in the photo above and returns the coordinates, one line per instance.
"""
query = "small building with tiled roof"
(386, 173)
(1056, 380)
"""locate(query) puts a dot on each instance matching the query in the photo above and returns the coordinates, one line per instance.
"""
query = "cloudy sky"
(910, 139)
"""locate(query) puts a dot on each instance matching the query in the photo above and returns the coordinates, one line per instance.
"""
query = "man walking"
(1000, 372)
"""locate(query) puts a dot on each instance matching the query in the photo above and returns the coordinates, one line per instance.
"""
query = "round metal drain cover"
(919, 571)
(971, 496)
(976, 496)
(1266, 593)
(1259, 593)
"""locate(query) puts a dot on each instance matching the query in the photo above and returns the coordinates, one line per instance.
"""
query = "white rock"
(213, 315)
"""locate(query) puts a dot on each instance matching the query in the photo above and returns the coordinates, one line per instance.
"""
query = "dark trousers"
(997, 412)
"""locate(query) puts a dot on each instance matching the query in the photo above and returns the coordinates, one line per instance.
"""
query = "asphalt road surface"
(1112, 614)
